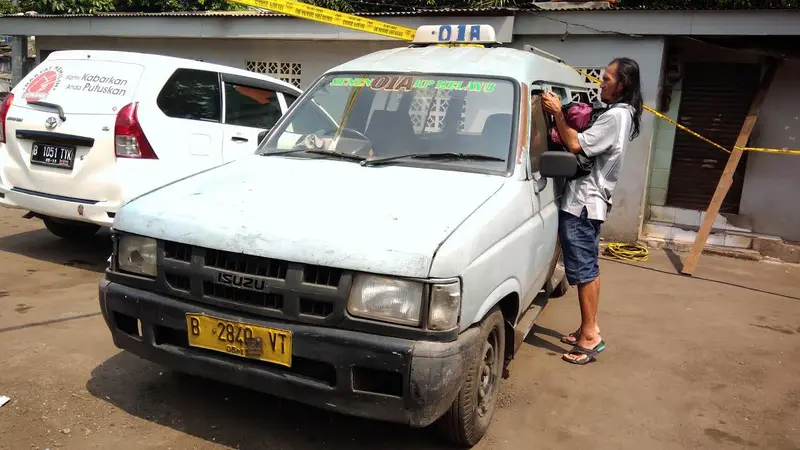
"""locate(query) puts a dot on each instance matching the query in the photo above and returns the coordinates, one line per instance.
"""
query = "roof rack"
(542, 53)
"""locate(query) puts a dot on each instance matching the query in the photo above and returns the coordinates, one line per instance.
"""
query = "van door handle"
(239, 139)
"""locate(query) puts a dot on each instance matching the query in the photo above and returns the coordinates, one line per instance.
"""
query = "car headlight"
(137, 255)
(387, 299)
(445, 306)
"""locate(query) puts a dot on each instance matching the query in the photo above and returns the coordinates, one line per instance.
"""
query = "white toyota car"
(88, 130)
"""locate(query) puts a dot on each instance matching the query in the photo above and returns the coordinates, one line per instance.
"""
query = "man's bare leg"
(581, 288)
(589, 298)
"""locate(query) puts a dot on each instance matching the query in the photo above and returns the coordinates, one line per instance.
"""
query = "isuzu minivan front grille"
(246, 264)
(263, 286)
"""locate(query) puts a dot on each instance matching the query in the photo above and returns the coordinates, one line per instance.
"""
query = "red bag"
(577, 116)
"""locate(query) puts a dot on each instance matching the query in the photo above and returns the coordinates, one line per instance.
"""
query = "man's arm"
(601, 136)
(597, 139)
(568, 135)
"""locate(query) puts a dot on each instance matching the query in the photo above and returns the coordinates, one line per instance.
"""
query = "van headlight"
(137, 255)
(445, 306)
(387, 299)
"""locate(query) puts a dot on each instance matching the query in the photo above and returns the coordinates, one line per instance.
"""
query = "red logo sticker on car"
(42, 84)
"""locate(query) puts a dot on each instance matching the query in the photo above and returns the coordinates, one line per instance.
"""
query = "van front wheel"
(469, 417)
(71, 230)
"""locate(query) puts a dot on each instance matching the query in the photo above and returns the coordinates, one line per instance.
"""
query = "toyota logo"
(50, 123)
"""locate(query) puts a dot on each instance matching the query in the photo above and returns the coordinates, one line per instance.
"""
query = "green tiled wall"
(662, 153)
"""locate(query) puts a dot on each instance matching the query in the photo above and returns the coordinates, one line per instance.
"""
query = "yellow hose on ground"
(627, 252)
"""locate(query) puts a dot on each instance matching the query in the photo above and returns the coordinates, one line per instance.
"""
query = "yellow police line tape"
(331, 17)
(663, 117)
(768, 150)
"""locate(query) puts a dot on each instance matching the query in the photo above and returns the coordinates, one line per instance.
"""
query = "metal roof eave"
(766, 22)
(241, 26)
(506, 21)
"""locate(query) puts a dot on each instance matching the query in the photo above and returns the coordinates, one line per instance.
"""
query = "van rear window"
(82, 86)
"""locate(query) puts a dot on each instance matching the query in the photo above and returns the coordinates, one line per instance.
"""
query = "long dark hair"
(628, 75)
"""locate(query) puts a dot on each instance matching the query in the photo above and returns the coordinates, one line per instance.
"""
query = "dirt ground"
(706, 362)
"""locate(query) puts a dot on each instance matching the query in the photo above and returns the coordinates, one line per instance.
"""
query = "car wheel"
(71, 230)
(471, 413)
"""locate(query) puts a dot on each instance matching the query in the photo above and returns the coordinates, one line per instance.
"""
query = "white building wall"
(315, 56)
(771, 193)
(597, 51)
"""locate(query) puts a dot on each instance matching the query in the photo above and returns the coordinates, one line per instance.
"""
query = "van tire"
(464, 424)
(71, 230)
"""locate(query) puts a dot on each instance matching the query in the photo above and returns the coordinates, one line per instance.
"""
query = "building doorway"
(715, 101)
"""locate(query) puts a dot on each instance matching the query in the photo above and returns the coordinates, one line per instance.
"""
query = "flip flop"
(590, 353)
(576, 336)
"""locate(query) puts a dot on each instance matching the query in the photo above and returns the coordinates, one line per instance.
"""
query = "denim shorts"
(580, 244)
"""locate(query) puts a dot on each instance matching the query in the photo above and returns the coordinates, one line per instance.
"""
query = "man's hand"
(551, 103)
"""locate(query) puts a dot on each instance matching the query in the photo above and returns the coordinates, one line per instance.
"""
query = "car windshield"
(376, 116)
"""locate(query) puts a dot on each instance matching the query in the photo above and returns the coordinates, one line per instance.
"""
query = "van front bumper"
(359, 374)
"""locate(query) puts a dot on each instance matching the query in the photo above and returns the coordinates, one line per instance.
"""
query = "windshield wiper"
(318, 152)
(443, 155)
(58, 108)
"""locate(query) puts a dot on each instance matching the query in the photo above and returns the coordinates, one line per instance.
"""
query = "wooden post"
(727, 175)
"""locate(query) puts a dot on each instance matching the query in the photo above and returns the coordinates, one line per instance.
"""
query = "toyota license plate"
(53, 155)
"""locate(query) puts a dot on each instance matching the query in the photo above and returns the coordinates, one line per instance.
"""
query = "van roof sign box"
(455, 34)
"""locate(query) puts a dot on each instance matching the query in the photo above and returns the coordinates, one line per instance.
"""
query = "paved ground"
(709, 362)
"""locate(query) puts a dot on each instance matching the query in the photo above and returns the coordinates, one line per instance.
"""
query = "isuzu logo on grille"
(50, 123)
(240, 281)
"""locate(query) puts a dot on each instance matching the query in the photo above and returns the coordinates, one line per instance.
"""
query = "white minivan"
(88, 130)
(386, 264)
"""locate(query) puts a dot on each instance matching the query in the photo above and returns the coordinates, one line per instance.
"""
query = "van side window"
(251, 107)
(538, 132)
(561, 93)
(191, 94)
(289, 99)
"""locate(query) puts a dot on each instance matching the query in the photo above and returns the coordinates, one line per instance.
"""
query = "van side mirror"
(558, 164)
(262, 135)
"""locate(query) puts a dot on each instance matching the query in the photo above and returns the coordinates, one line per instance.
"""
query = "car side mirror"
(262, 135)
(557, 164)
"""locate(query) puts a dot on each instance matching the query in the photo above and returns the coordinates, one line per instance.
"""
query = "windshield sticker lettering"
(407, 83)
(47, 81)
(92, 82)
(382, 84)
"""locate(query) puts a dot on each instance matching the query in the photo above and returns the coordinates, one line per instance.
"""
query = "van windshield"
(82, 86)
(386, 115)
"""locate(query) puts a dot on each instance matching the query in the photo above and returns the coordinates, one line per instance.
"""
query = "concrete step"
(684, 234)
(683, 247)
(778, 249)
(735, 244)
(691, 219)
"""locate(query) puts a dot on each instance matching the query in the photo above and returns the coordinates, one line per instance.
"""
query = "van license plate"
(53, 155)
(240, 339)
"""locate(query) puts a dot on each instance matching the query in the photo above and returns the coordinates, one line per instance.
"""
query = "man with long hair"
(587, 199)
